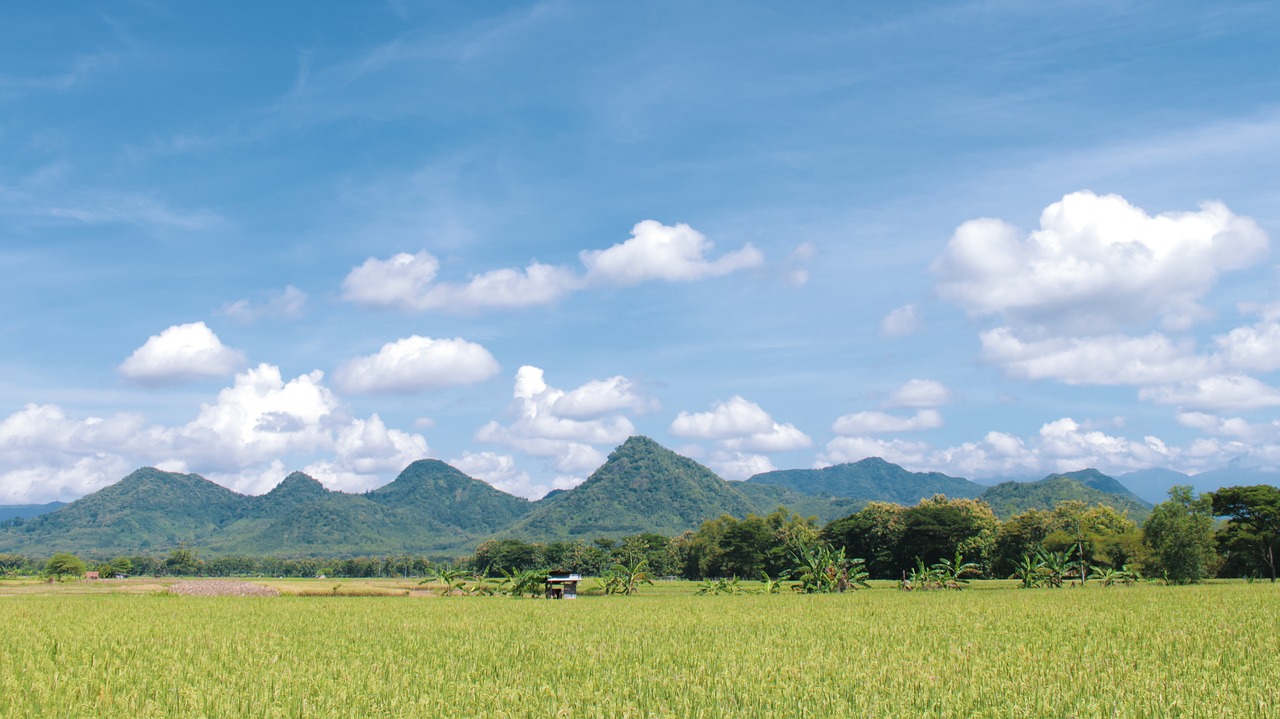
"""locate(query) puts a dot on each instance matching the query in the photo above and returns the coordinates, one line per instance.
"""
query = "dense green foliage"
(1100, 535)
(894, 539)
(1179, 533)
(1123, 653)
(63, 564)
(1250, 539)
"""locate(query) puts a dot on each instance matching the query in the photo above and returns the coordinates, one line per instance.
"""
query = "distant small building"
(565, 587)
(91, 575)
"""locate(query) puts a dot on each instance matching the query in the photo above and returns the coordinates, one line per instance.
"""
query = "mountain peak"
(298, 485)
(643, 486)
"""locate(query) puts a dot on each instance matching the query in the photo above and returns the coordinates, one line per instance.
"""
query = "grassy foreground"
(1147, 651)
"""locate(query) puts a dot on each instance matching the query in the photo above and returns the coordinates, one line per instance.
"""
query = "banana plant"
(626, 578)
(720, 586)
(453, 578)
(1056, 566)
(1029, 572)
(822, 569)
(519, 583)
(771, 585)
(951, 573)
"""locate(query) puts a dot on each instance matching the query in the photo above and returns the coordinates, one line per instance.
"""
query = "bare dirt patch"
(222, 588)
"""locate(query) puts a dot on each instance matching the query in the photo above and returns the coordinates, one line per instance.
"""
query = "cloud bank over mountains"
(1061, 296)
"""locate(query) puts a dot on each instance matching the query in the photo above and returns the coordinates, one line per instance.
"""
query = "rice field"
(1145, 651)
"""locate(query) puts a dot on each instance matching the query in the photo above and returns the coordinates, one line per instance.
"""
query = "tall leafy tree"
(1250, 539)
(64, 564)
(872, 533)
(1179, 533)
(939, 528)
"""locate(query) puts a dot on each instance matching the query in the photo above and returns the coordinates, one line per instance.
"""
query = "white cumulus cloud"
(654, 252)
(661, 252)
(417, 363)
(738, 424)
(245, 439)
(501, 471)
(736, 466)
(1105, 360)
(569, 440)
(181, 352)
(599, 397)
(1096, 262)
(736, 417)
(407, 282)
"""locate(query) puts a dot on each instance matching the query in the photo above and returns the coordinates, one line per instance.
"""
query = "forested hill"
(871, 479)
(1089, 486)
(432, 508)
(642, 487)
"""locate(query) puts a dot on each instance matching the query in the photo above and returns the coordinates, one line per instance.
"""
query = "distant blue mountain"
(1153, 484)
(26, 511)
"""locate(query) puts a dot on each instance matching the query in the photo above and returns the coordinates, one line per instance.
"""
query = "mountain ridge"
(432, 507)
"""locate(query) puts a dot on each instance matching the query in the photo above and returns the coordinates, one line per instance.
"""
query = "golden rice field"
(1146, 651)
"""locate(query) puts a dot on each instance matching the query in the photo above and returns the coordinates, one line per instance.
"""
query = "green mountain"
(643, 487)
(1089, 486)
(147, 510)
(871, 479)
(433, 491)
(432, 508)
(27, 511)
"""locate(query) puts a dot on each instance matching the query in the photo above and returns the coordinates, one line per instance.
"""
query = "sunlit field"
(122, 650)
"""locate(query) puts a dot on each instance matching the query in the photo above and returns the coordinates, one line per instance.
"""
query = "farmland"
(994, 651)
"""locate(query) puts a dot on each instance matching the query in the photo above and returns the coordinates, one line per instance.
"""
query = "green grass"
(1146, 651)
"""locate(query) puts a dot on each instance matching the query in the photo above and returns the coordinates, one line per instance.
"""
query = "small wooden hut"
(563, 587)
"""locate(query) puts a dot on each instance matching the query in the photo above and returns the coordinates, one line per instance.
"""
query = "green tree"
(121, 565)
(874, 533)
(498, 556)
(183, 561)
(1250, 539)
(1179, 533)
(938, 528)
(11, 563)
(63, 564)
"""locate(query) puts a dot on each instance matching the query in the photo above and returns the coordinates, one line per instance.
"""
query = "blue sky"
(987, 238)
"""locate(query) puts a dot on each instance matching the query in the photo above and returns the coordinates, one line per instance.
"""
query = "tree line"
(1233, 532)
